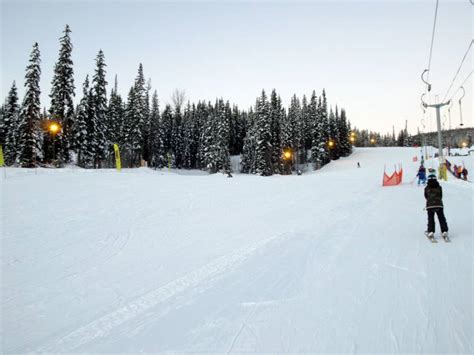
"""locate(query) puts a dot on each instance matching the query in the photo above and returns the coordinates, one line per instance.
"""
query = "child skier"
(421, 175)
(434, 204)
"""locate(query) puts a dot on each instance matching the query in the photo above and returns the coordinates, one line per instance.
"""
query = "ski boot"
(430, 236)
(445, 236)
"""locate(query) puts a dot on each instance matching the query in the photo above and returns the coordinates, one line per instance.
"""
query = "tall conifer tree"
(9, 126)
(99, 90)
(62, 93)
(29, 146)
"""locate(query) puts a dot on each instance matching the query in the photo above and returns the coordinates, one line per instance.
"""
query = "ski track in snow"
(104, 325)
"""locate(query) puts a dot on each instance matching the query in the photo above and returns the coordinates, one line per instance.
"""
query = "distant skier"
(358, 164)
(421, 175)
(464, 173)
(434, 204)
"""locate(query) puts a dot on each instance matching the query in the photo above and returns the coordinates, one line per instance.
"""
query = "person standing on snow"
(421, 175)
(434, 205)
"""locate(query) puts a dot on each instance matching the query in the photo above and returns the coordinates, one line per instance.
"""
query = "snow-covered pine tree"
(316, 134)
(338, 132)
(62, 93)
(200, 119)
(131, 131)
(101, 146)
(147, 122)
(333, 135)
(156, 144)
(229, 119)
(222, 113)
(286, 131)
(9, 126)
(208, 147)
(305, 131)
(237, 132)
(263, 153)
(401, 138)
(167, 129)
(136, 113)
(116, 117)
(195, 131)
(325, 131)
(91, 139)
(187, 137)
(294, 127)
(83, 128)
(344, 133)
(29, 134)
(177, 144)
(233, 131)
(275, 128)
(248, 163)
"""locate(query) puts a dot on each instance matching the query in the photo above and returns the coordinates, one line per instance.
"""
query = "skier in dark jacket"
(434, 204)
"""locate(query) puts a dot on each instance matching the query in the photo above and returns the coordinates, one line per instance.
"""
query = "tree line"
(366, 138)
(270, 138)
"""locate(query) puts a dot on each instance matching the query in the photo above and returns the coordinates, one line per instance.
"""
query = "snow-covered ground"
(143, 260)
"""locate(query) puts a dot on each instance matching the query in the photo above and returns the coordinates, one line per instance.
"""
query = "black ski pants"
(442, 220)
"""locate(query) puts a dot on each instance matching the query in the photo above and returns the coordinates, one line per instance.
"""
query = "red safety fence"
(394, 179)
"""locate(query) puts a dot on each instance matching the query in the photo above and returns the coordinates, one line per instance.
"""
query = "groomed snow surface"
(166, 261)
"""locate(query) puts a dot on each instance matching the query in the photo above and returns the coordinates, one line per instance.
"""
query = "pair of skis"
(434, 240)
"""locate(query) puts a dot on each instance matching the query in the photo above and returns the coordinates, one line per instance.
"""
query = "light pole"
(54, 128)
(287, 158)
(352, 138)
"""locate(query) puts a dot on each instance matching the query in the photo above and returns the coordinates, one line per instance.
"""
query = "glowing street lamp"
(464, 144)
(372, 140)
(331, 143)
(54, 128)
(287, 154)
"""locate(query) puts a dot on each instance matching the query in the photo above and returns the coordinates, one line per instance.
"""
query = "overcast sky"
(368, 55)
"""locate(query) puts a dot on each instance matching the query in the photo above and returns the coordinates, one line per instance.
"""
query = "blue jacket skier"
(434, 205)
(421, 175)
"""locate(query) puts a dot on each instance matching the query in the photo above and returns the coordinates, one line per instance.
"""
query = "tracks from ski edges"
(103, 326)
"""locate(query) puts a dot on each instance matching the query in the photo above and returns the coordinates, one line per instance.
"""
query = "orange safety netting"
(394, 179)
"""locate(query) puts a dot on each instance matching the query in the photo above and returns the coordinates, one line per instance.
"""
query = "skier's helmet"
(432, 174)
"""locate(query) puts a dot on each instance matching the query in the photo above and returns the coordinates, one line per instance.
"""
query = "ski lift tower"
(442, 164)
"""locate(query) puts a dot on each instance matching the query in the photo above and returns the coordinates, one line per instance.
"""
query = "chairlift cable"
(460, 107)
(432, 40)
(462, 84)
(459, 69)
(427, 71)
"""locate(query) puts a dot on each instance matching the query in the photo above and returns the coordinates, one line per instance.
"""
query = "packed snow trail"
(330, 261)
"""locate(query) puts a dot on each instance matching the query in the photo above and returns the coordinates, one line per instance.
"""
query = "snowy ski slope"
(145, 261)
